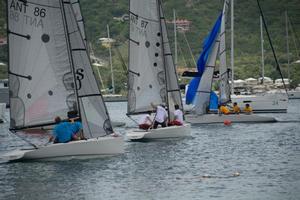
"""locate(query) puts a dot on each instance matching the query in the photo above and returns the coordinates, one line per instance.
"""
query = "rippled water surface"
(242, 161)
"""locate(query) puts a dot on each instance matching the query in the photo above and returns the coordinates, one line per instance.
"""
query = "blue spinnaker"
(207, 46)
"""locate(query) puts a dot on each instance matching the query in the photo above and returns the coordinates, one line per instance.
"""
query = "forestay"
(224, 73)
(146, 74)
(93, 111)
(39, 65)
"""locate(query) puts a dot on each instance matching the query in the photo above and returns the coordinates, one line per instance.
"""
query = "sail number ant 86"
(21, 11)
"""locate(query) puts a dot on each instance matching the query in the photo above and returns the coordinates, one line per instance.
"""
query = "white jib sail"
(93, 111)
(173, 90)
(224, 73)
(79, 19)
(146, 73)
(39, 65)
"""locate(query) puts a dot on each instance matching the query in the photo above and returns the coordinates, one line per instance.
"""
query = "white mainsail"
(39, 65)
(51, 52)
(93, 111)
(146, 73)
(224, 73)
(152, 75)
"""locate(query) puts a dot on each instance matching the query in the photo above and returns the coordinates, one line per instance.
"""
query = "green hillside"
(202, 13)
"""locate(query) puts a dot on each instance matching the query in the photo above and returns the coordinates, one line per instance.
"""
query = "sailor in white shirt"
(178, 117)
(161, 116)
(145, 121)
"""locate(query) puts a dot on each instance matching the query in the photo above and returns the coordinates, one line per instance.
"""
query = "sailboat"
(152, 76)
(268, 101)
(50, 74)
(200, 87)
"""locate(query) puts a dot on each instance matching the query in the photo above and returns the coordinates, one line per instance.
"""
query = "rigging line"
(189, 47)
(124, 66)
(132, 119)
(25, 140)
(293, 33)
(269, 38)
(184, 60)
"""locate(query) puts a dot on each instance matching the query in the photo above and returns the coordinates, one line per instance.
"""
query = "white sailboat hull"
(215, 118)
(160, 133)
(96, 147)
(266, 103)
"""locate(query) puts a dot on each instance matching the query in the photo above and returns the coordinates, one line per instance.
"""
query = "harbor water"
(241, 161)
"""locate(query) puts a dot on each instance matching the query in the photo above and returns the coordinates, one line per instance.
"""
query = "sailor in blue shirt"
(75, 127)
(62, 132)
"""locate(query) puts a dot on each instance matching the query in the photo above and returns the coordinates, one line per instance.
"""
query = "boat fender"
(227, 122)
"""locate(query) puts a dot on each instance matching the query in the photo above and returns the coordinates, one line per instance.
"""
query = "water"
(265, 156)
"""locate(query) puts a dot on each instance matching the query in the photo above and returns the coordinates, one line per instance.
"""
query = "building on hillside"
(183, 25)
(123, 18)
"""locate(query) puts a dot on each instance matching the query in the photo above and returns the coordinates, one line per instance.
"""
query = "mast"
(175, 38)
(232, 47)
(110, 61)
(271, 44)
(287, 44)
(262, 51)
(163, 55)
